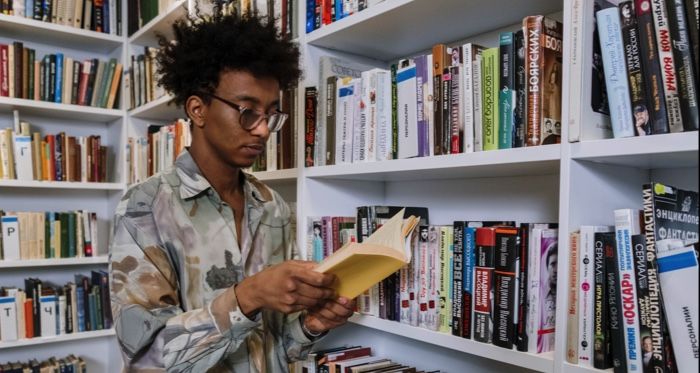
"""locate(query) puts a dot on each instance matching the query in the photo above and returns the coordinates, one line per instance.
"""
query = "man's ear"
(196, 110)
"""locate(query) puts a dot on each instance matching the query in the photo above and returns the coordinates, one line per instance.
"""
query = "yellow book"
(358, 266)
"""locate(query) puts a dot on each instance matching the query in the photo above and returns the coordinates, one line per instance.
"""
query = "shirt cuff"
(228, 318)
(300, 335)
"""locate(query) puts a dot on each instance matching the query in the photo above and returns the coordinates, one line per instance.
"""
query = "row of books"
(453, 100)
(96, 15)
(144, 87)
(484, 280)
(349, 359)
(320, 13)
(633, 287)
(27, 156)
(650, 66)
(280, 12)
(68, 364)
(59, 79)
(45, 235)
(42, 310)
(146, 156)
(280, 153)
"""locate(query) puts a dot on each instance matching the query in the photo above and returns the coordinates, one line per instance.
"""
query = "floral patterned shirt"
(174, 260)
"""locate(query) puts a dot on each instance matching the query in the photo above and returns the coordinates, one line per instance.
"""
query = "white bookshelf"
(61, 185)
(56, 110)
(161, 24)
(160, 109)
(63, 338)
(57, 262)
(60, 36)
(570, 183)
(538, 362)
(287, 175)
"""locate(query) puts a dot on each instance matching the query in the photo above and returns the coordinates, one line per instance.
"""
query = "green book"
(489, 98)
(48, 226)
(30, 66)
(64, 235)
(71, 234)
(107, 83)
(506, 93)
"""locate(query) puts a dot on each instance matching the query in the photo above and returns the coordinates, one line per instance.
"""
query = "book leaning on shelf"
(47, 235)
(97, 15)
(358, 266)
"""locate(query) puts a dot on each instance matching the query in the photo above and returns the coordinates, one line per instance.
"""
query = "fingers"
(317, 293)
(304, 272)
(336, 311)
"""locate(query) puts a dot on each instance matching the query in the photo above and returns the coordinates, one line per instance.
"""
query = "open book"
(358, 266)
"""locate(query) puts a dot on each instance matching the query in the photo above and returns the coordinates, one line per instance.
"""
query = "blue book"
(468, 279)
(615, 67)
(310, 15)
(105, 16)
(79, 296)
(93, 311)
(339, 10)
(59, 78)
(29, 8)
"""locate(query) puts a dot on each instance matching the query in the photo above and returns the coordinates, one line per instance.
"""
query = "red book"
(82, 86)
(483, 284)
(4, 71)
(51, 140)
(29, 318)
(326, 6)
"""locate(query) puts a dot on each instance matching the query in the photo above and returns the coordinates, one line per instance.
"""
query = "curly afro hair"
(204, 47)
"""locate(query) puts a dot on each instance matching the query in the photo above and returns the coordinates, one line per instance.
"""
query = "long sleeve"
(151, 326)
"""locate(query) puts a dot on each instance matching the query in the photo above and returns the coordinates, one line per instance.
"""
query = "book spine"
(521, 338)
(422, 123)
(507, 93)
(446, 125)
(640, 271)
(483, 284)
(406, 96)
(330, 119)
(692, 9)
(670, 80)
(614, 300)
(624, 230)
(532, 26)
(478, 102)
(635, 74)
(610, 34)
(445, 259)
(520, 112)
(683, 59)
(457, 278)
(505, 287)
(600, 309)
(310, 122)
(468, 97)
(572, 305)
(656, 317)
(434, 276)
(439, 63)
(394, 114)
(456, 110)
(468, 281)
(489, 70)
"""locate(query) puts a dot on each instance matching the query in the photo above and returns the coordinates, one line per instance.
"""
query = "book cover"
(10, 237)
(614, 300)
(573, 299)
(668, 67)
(407, 111)
(506, 92)
(548, 290)
(489, 99)
(458, 278)
(8, 319)
(310, 125)
(505, 287)
(601, 338)
(483, 284)
(683, 60)
(23, 157)
(635, 74)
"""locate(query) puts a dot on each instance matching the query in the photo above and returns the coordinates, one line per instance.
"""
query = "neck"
(223, 177)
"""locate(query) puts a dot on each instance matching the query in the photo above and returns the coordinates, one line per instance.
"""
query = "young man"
(203, 276)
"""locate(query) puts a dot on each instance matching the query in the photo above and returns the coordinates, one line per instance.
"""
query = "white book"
(360, 130)
(20, 298)
(344, 120)
(79, 241)
(678, 277)
(271, 156)
(468, 96)
(94, 239)
(369, 114)
(586, 282)
(406, 112)
(533, 286)
(584, 122)
(62, 314)
(434, 275)
(383, 114)
(83, 158)
(23, 157)
(112, 17)
(627, 225)
(423, 266)
(48, 312)
(8, 319)
(10, 237)
(6, 155)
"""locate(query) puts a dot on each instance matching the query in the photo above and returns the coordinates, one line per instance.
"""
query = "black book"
(505, 287)
(614, 302)
(91, 81)
(639, 252)
(691, 13)
(457, 280)
(38, 14)
(601, 337)
(52, 79)
(330, 119)
(635, 74)
(653, 80)
(32, 287)
(445, 100)
(77, 69)
(520, 112)
(683, 60)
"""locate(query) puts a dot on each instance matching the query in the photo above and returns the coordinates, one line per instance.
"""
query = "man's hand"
(288, 287)
(331, 315)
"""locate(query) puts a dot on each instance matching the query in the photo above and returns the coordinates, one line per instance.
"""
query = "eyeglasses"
(251, 119)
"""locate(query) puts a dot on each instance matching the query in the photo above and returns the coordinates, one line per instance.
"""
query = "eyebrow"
(255, 100)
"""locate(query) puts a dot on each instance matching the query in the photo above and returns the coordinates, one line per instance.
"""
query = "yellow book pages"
(358, 266)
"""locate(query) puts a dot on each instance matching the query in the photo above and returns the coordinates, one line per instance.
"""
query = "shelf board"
(54, 262)
(58, 338)
(278, 175)
(59, 36)
(158, 109)
(161, 24)
(61, 185)
(396, 29)
(571, 368)
(55, 110)
(673, 150)
(539, 362)
(538, 160)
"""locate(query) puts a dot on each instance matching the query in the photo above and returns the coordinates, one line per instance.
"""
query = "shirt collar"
(193, 183)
